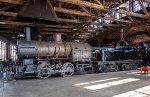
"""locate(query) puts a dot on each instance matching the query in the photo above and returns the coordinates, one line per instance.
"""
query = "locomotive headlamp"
(21, 35)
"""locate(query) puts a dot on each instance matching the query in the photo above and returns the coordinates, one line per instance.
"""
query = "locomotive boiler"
(46, 58)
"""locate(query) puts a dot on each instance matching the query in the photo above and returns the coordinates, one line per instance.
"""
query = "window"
(136, 6)
(95, 26)
(107, 21)
(123, 15)
(13, 52)
(117, 15)
(145, 4)
(128, 6)
(2, 50)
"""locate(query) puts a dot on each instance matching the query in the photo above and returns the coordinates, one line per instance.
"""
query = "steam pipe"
(57, 37)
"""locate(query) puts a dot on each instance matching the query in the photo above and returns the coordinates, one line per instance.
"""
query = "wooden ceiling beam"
(55, 30)
(131, 14)
(106, 25)
(147, 1)
(75, 2)
(143, 8)
(9, 31)
(98, 2)
(73, 17)
(70, 11)
(57, 26)
(69, 20)
(30, 24)
(118, 20)
(129, 17)
(91, 29)
(84, 4)
(7, 27)
(15, 23)
(12, 14)
(6, 7)
(18, 2)
(84, 9)
(51, 33)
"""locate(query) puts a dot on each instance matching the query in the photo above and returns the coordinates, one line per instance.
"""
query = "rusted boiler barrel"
(40, 48)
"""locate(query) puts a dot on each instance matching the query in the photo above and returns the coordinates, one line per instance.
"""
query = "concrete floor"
(112, 84)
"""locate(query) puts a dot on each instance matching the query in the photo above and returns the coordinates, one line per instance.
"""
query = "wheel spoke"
(69, 68)
(43, 70)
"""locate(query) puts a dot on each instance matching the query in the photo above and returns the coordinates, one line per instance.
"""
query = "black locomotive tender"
(43, 59)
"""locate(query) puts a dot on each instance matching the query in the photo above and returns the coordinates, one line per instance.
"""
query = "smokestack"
(57, 37)
(28, 33)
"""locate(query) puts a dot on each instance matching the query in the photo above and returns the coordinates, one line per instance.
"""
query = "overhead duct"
(38, 9)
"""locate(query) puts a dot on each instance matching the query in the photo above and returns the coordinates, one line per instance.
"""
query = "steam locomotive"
(43, 59)
(46, 58)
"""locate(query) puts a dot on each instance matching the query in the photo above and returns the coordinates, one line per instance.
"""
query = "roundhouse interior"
(74, 30)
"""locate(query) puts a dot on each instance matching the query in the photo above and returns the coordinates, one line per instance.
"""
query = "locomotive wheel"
(112, 67)
(102, 69)
(43, 71)
(69, 68)
(116, 68)
(125, 67)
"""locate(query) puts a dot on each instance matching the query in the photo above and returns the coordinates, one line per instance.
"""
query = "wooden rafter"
(51, 33)
(70, 11)
(75, 2)
(31, 24)
(84, 3)
(105, 24)
(131, 14)
(98, 2)
(118, 20)
(55, 30)
(12, 14)
(84, 9)
(57, 26)
(147, 1)
(143, 8)
(72, 17)
(69, 20)
(126, 9)
(12, 1)
(6, 7)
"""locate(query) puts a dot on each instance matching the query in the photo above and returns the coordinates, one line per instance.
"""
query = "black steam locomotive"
(115, 59)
